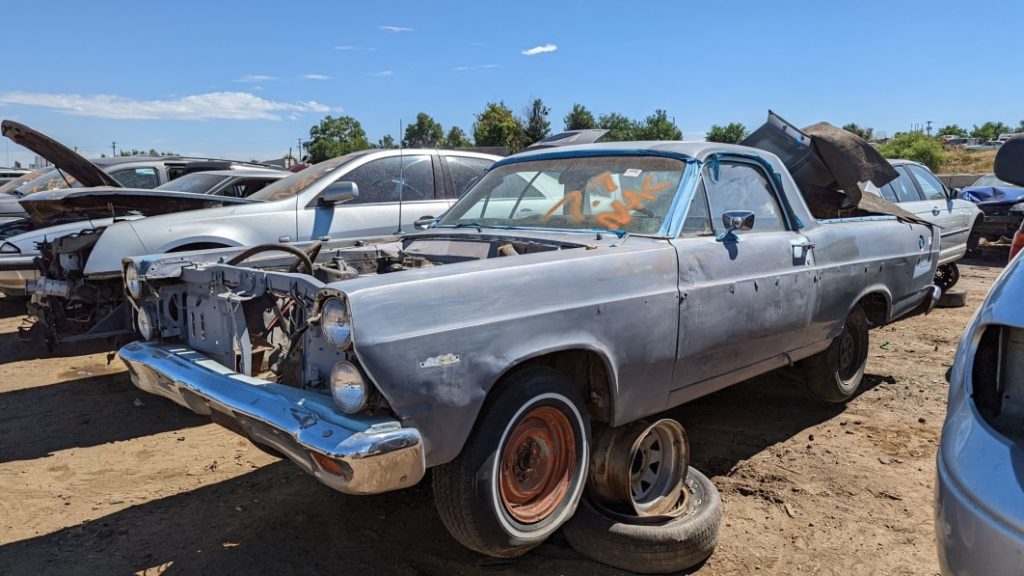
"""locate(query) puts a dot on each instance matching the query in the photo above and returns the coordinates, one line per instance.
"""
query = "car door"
(743, 300)
(943, 210)
(390, 188)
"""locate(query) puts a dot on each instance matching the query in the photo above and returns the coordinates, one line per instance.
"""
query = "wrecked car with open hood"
(571, 292)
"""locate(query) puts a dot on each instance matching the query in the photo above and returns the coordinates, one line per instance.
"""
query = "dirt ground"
(98, 478)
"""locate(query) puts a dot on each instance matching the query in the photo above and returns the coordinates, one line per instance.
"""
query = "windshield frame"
(671, 223)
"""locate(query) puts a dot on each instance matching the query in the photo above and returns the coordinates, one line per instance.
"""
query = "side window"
(698, 218)
(904, 187)
(741, 186)
(381, 180)
(888, 193)
(243, 188)
(930, 185)
(465, 172)
(137, 177)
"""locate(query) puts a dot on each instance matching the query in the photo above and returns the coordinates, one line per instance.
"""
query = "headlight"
(8, 248)
(1018, 207)
(335, 322)
(348, 387)
(132, 282)
(145, 324)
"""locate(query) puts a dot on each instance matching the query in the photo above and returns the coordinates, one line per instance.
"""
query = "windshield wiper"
(477, 225)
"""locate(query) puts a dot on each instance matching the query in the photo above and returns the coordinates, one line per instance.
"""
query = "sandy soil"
(98, 478)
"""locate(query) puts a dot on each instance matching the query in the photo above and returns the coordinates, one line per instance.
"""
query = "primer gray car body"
(438, 317)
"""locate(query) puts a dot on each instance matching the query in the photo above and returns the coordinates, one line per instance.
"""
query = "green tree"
(619, 127)
(386, 143)
(952, 130)
(658, 126)
(498, 126)
(731, 133)
(456, 138)
(424, 133)
(1020, 127)
(915, 146)
(990, 130)
(579, 118)
(864, 133)
(334, 137)
(537, 124)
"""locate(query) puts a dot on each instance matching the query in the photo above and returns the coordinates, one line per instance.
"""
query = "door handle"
(935, 211)
(808, 245)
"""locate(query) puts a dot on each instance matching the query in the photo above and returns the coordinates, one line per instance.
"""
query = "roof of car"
(682, 148)
(249, 172)
(112, 160)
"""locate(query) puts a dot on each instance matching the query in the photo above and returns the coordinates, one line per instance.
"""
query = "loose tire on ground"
(669, 546)
(835, 373)
(522, 472)
(952, 299)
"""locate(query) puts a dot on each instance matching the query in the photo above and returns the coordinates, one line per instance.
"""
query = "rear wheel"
(522, 471)
(835, 373)
(946, 276)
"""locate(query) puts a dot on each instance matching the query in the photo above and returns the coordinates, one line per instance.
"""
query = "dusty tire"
(671, 546)
(535, 427)
(835, 373)
(952, 299)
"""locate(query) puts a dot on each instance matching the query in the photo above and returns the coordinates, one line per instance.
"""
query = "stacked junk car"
(520, 339)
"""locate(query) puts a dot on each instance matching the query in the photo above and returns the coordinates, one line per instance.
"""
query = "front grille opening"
(998, 380)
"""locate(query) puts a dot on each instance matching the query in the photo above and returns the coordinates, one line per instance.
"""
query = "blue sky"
(247, 80)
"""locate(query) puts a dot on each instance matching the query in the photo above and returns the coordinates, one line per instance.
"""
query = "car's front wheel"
(523, 469)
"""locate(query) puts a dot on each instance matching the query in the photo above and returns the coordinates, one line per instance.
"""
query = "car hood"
(993, 195)
(104, 202)
(60, 155)
(9, 205)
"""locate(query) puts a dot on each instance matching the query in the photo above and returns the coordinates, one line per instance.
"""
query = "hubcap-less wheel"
(641, 467)
(537, 464)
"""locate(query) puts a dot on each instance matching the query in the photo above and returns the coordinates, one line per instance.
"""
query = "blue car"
(1002, 204)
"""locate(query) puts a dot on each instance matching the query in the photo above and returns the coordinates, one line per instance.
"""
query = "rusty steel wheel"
(537, 464)
(523, 468)
(640, 467)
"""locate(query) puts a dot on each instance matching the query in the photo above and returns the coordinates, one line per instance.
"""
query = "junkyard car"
(1002, 204)
(979, 491)
(77, 293)
(570, 292)
(919, 192)
(11, 174)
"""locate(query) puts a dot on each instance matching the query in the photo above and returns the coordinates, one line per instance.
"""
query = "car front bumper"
(352, 454)
(16, 272)
(979, 493)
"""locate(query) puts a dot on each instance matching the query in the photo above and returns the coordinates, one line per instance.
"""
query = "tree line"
(496, 125)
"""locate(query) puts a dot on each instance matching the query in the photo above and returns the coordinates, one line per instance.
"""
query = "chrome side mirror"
(424, 222)
(339, 192)
(735, 221)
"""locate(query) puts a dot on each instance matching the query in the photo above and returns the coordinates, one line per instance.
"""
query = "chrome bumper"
(16, 272)
(355, 455)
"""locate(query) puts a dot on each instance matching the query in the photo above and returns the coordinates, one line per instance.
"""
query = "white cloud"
(540, 49)
(382, 73)
(210, 106)
(394, 28)
(255, 78)
(475, 67)
(315, 77)
(354, 48)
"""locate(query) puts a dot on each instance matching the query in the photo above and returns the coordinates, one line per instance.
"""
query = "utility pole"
(113, 148)
(299, 159)
(929, 129)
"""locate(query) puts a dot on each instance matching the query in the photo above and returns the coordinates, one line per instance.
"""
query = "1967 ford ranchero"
(571, 292)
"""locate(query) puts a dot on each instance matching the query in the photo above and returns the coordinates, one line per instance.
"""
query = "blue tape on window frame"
(673, 224)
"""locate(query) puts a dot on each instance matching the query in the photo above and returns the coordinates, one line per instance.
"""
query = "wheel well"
(197, 246)
(876, 308)
(588, 373)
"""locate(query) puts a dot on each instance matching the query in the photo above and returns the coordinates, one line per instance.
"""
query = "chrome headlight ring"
(132, 281)
(336, 323)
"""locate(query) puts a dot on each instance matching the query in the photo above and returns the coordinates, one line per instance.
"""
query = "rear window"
(198, 183)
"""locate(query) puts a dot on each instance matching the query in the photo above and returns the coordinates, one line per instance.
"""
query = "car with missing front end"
(521, 348)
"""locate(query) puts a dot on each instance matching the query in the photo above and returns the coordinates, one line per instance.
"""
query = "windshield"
(52, 179)
(20, 180)
(197, 182)
(620, 193)
(991, 180)
(292, 185)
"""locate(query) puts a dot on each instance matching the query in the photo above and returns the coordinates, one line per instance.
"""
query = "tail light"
(1018, 242)
(998, 380)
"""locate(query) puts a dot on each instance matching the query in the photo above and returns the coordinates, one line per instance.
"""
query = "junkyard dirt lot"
(98, 478)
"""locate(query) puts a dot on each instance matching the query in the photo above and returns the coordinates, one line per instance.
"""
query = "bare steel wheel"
(835, 373)
(522, 470)
(537, 464)
(640, 467)
(946, 276)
